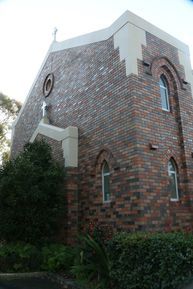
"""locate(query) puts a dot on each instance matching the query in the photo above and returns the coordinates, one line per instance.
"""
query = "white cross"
(54, 33)
(43, 107)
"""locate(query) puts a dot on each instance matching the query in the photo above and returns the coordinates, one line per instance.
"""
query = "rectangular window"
(164, 99)
(173, 187)
(164, 93)
(173, 180)
(106, 182)
(106, 188)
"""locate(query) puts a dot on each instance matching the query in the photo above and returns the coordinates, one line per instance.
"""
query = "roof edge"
(104, 34)
(26, 99)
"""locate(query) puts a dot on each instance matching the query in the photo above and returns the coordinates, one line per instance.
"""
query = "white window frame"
(166, 92)
(174, 172)
(103, 183)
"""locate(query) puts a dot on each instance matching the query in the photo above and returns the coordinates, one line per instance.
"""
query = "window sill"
(106, 202)
(166, 110)
(174, 200)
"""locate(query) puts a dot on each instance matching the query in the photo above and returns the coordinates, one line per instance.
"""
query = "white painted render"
(129, 40)
(129, 34)
(185, 61)
(104, 34)
(68, 137)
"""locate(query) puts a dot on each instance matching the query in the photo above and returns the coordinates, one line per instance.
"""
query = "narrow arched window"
(106, 182)
(172, 172)
(164, 93)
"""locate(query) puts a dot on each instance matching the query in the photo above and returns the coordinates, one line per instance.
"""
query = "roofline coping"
(101, 35)
(104, 34)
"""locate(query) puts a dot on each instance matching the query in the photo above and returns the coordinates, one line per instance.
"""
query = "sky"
(26, 30)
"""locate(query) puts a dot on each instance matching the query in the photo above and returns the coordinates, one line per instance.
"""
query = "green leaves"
(23, 257)
(31, 199)
(9, 108)
(156, 260)
(19, 257)
(56, 257)
(92, 264)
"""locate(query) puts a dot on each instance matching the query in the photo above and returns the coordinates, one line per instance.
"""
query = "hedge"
(19, 257)
(151, 260)
(57, 257)
(32, 200)
(22, 257)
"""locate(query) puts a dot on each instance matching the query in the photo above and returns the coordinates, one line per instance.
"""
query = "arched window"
(172, 172)
(164, 93)
(106, 182)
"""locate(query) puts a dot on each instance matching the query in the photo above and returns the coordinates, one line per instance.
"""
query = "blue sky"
(26, 28)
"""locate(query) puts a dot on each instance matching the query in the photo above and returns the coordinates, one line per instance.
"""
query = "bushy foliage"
(19, 257)
(57, 257)
(23, 257)
(151, 261)
(31, 200)
(92, 264)
(9, 109)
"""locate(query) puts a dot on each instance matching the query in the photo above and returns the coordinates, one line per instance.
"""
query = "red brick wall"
(170, 131)
(117, 117)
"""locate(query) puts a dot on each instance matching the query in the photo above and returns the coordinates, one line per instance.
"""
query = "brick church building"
(116, 106)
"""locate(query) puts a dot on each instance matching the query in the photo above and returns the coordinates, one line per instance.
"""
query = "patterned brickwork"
(118, 117)
(170, 131)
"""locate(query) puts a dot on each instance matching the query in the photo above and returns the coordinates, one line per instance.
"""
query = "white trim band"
(68, 137)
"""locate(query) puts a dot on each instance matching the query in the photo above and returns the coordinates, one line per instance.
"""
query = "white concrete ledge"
(22, 275)
(68, 137)
(104, 34)
(129, 39)
(129, 36)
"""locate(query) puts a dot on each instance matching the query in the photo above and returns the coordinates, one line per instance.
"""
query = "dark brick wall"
(118, 116)
(170, 131)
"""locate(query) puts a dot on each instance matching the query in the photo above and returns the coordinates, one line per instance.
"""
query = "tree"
(9, 109)
(31, 199)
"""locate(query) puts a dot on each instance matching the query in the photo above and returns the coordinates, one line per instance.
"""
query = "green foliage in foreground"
(130, 261)
(21, 257)
(57, 257)
(31, 199)
(92, 264)
(151, 261)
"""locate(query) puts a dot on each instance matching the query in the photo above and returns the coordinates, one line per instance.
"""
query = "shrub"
(92, 264)
(19, 258)
(151, 261)
(57, 257)
(31, 201)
